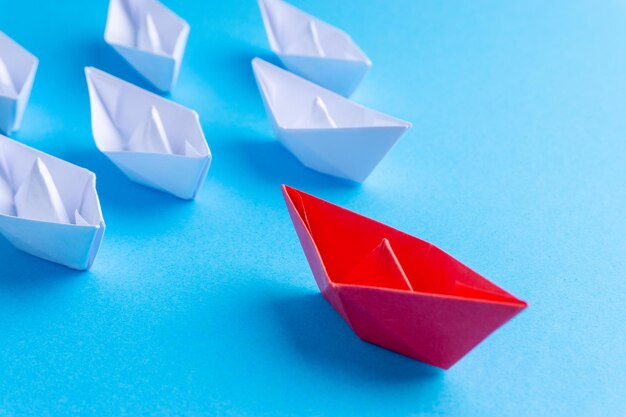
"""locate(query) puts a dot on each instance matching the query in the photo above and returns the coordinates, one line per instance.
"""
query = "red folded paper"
(393, 289)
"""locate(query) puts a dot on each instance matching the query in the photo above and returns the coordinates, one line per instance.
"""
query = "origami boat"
(314, 49)
(154, 141)
(48, 207)
(150, 37)
(325, 131)
(393, 289)
(17, 74)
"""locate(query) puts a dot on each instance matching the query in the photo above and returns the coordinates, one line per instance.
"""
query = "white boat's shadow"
(22, 274)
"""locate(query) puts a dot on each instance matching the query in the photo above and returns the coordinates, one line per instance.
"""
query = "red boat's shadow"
(318, 334)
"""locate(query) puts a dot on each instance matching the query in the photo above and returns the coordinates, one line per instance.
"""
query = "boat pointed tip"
(291, 194)
(92, 73)
(405, 125)
(287, 190)
(257, 62)
(267, 3)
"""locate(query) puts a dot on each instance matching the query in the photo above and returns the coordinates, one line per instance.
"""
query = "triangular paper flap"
(20, 66)
(7, 87)
(38, 198)
(148, 37)
(292, 31)
(65, 244)
(79, 220)
(120, 25)
(289, 96)
(178, 175)
(22, 98)
(342, 237)
(19, 63)
(309, 158)
(90, 206)
(319, 115)
(440, 330)
(5, 171)
(380, 268)
(340, 76)
(150, 135)
(6, 198)
(104, 95)
(294, 201)
(191, 151)
(315, 39)
(105, 90)
(172, 29)
(95, 245)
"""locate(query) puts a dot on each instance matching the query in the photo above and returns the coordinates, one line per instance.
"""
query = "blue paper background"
(515, 165)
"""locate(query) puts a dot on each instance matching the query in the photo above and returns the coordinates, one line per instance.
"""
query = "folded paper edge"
(257, 66)
(515, 302)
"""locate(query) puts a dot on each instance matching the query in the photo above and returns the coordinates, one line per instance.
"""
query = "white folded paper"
(154, 141)
(150, 37)
(314, 49)
(48, 207)
(324, 130)
(17, 74)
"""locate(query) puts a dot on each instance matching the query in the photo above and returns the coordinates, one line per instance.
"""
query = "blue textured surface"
(515, 165)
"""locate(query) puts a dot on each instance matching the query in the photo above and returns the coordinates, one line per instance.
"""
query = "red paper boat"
(393, 289)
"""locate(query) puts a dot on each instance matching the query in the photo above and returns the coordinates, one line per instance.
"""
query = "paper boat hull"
(435, 329)
(70, 245)
(338, 75)
(352, 154)
(177, 175)
(36, 185)
(180, 174)
(161, 71)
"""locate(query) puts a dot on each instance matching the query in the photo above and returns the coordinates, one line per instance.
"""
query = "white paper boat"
(325, 131)
(48, 207)
(314, 49)
(150, 37)
(154, 141)
(17, 74)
